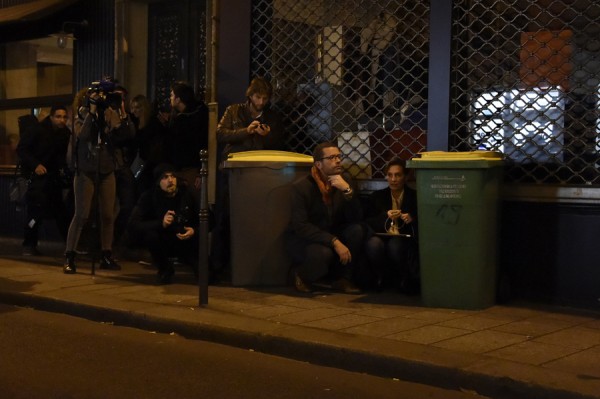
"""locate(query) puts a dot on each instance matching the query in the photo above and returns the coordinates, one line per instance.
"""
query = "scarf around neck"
(324, 186)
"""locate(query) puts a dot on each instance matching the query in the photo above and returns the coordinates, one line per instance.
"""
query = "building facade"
(380, 77)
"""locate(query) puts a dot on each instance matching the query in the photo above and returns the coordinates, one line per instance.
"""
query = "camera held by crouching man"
(180, 221)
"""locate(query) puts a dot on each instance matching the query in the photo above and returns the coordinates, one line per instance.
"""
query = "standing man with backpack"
(42, 151)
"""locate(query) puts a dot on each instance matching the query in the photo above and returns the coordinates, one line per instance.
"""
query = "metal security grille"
(350, 71)
(526, 81)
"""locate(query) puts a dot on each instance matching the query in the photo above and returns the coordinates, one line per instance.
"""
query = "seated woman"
(392, 215)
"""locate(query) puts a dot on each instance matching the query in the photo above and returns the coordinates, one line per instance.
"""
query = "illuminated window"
(525, 125)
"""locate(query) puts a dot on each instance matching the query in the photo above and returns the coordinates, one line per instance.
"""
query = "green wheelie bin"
(458, 211)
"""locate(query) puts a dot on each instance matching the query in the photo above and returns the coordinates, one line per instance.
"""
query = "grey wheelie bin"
(458, 208)
(260, 199)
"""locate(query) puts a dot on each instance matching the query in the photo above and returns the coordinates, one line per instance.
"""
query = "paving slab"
(517, 350)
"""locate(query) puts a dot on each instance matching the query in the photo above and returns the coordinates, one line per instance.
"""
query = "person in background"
(188, 134)
(150, 139)
(125, 182)
(165, 220)
(326, 236)
(247, 126)
(98, 128)
(42, 150)
(393, 212)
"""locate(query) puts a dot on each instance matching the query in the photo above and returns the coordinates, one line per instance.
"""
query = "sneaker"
(69, 266)
(345, 286)
(300, 285)
(30, 251)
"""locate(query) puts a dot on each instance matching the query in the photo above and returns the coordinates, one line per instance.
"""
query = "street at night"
(57, 356)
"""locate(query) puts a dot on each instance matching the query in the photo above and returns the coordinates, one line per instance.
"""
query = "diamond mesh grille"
(525, 81)
(350, 71)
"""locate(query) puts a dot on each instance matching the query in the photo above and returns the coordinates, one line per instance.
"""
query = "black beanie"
(161, 169)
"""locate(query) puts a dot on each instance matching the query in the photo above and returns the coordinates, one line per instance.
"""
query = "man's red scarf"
(324, 185)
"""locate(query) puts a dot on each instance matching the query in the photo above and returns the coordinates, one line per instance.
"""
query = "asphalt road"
(48, 355)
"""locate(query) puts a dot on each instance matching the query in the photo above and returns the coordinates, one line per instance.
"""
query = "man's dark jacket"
(188, 134)
(314, 222)
(41, 144)
(154, 203)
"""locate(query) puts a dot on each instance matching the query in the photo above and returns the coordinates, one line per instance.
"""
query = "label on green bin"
(448, 187)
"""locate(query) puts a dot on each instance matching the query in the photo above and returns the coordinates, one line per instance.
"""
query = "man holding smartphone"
(248, 126)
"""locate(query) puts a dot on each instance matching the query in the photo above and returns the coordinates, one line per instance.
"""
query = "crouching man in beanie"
(165, 220)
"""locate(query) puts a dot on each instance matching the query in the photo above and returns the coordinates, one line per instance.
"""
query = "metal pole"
(203, 232)
(213, 105)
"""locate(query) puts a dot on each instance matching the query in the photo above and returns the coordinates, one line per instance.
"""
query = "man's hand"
(40, 170)
(338, 182)
(256, 127)
(168, 219)
(342, 251)
(189, 232)
(263, 129)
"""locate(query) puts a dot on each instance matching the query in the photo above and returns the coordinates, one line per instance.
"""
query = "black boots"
(69, 266)
(107, 262)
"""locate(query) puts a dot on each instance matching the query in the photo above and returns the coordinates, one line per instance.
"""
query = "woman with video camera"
(99, 127)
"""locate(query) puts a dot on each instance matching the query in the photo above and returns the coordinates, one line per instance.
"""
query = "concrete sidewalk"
(513, 351)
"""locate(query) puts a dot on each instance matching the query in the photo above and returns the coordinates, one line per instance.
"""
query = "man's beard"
(171, 190)
(256, 108)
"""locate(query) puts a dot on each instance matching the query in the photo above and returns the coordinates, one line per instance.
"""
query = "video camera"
(107, 95)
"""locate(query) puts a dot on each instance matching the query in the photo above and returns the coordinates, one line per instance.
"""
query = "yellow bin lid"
(267, 158)
(460, 156)
(269, 155)
(449, 160)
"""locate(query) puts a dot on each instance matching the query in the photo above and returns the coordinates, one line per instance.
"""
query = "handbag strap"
(17, 171)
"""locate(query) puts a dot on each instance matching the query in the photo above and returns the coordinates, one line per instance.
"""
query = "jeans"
(389, 257)
(314, 260)
(84, 186)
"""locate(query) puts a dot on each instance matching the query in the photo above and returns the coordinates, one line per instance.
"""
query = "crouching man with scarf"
(325, 237)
